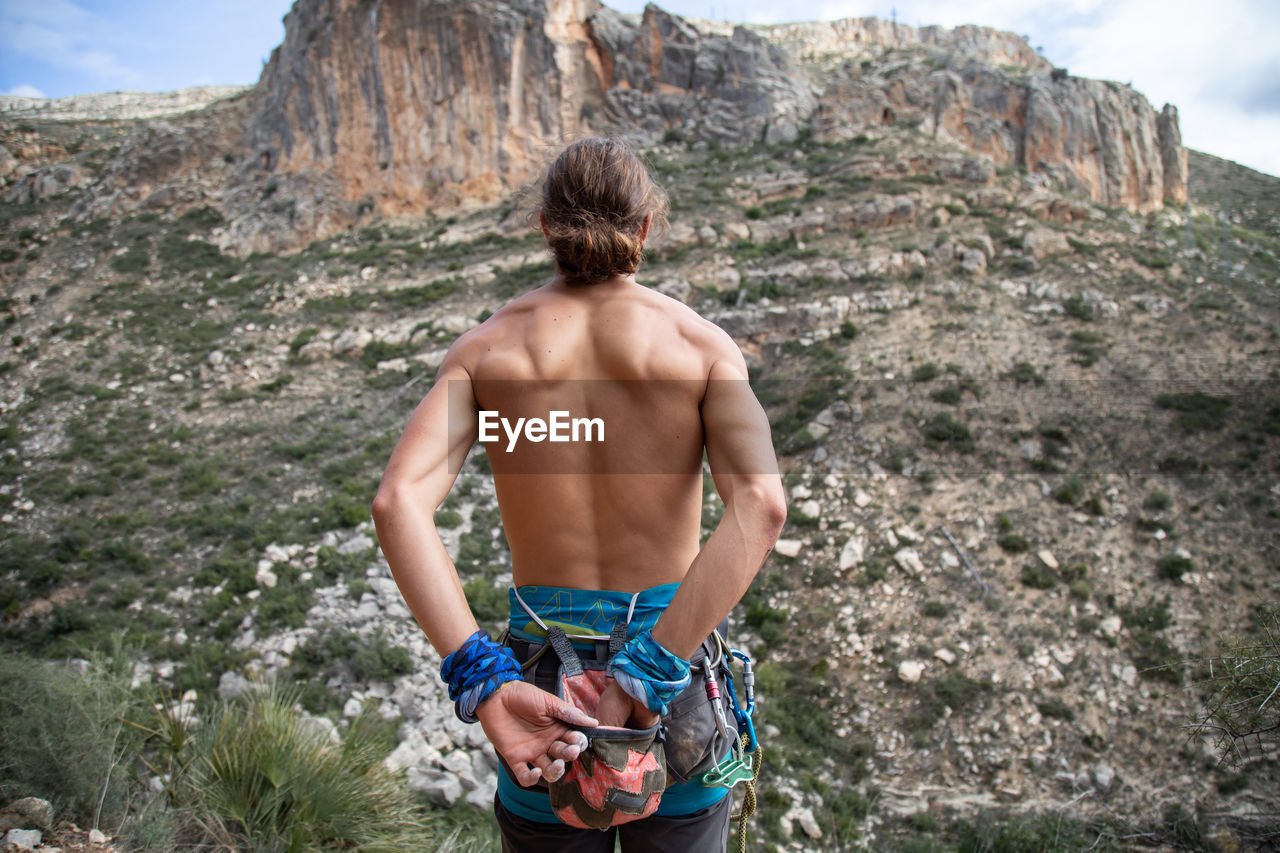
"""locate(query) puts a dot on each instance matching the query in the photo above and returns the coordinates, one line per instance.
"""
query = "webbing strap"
(617, 638)
(564, 650)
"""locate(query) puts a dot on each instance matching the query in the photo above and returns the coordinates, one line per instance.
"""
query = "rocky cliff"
(398, 107)
(402, 106)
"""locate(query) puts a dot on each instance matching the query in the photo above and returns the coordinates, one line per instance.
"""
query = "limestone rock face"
(407, 104)
(398, 107)
(1101, 139)
(661, 71)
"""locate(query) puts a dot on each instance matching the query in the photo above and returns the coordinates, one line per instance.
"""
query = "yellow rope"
(749, 797)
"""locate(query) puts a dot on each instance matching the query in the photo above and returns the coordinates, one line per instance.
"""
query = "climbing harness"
(612, 781)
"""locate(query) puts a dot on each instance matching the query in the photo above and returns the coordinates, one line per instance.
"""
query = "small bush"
(63, 735)
(1172, 567)
(925, 372)
(1157, 501)
(1013, 543)
(1197, 411)
(944, 429)
(935, 609)
(1056, 708)
(135, 260)
(260, 776)
(1038, 576)
(1086, 347)
(1070, 491)
(1076, 307)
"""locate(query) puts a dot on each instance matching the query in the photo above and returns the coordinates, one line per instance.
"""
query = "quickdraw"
(742, 764)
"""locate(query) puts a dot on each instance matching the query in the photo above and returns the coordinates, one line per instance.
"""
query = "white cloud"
(25, 91)
(61, 33)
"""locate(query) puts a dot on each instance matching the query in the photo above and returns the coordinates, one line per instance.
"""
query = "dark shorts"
(705, 831)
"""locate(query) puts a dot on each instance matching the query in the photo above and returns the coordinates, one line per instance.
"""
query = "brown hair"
(595, 199)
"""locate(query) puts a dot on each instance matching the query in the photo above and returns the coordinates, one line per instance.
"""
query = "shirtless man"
(621, 514)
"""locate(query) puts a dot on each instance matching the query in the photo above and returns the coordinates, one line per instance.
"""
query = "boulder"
(27, 813)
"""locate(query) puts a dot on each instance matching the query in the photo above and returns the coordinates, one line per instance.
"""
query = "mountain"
(1026, 409)
(397, 107)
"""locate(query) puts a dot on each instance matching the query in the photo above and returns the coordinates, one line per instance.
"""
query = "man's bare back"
(622, 513)
(639, 362)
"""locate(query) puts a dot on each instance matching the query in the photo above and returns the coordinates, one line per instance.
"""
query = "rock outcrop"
(397, 107)
(117, 106)
(402, 106)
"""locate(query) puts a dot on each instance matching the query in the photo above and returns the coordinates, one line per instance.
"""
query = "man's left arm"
(527, 726)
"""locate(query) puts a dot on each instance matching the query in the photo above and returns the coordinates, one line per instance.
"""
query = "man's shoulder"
(700, 331)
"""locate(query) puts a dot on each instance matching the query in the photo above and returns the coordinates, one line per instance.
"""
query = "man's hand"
(527, 727)
(618, 709)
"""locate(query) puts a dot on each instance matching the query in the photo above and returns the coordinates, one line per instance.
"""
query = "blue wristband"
(473, 672)
(649, 673)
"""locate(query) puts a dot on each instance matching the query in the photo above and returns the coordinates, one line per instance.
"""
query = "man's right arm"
(745, 469)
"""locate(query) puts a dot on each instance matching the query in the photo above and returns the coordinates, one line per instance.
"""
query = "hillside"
(950, 347)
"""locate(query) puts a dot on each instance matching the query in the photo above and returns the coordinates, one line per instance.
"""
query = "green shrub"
(935, 609)
(925, 372)
(258, 776)
(1158, 501)
(1086, 347)
(1056, 708)
(1014, 543)
(1172, 567)
(944, 429)
(63, 735)
(1070, 491)
(1038, 576)
(303, 338)
(132, 261)
(448, 519)
(1240, 711)
(953, 690)
(1196, 411)
(1076, 307)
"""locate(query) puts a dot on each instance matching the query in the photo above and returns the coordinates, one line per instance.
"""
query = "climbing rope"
(749, 796)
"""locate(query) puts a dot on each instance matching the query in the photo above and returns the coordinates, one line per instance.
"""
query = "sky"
(1217, 62)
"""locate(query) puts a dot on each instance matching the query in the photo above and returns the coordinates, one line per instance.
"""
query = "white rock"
(1103, 777)
(441, 788)
(909, 671)
(1128, 675)
(909, 561)
(457, 761)
(861, 499)
(352, 707)
(1047, 558)
(906, 534)
(946, 656)
(851, 553)
(801, 492)
(788, 547)
(96, 836)
(266, 578)
(352, 341)
(356, 544)
(811, 508)
(22, 839)
(1110, 626)
(808, 823)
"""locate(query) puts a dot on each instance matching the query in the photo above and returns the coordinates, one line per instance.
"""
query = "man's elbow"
(385, 502)
(768, 509)
(775, 515)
